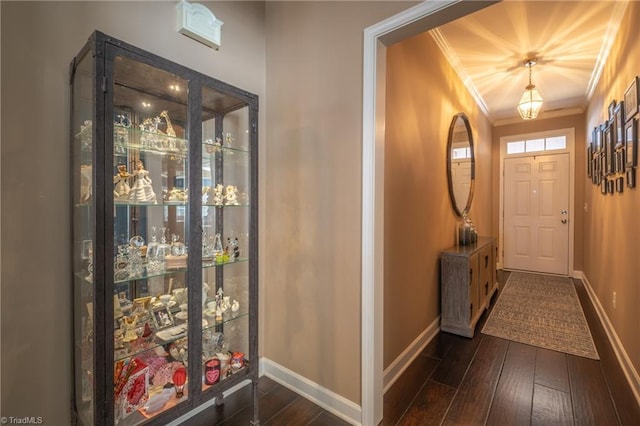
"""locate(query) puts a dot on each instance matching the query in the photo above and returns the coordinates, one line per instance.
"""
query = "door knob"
(564, 221)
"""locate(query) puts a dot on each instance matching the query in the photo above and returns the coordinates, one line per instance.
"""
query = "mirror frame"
(465, 119)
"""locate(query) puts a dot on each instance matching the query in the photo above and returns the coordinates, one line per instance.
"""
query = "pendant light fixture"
(531, 101)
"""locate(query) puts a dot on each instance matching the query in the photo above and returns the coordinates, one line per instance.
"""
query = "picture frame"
(611, 109)
(631, 142)
(632, 99)
(610, 186)
(599, 167)
(620, 164)
(589, 161)
(609, 168)
(162, 317)
(603, 186)
(631, 178)
(620, 184)
(618, 125)
(597, 137)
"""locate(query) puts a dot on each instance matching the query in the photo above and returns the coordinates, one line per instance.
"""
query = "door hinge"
(104, 84)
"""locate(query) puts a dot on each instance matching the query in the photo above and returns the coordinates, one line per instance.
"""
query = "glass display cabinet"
(164, 236)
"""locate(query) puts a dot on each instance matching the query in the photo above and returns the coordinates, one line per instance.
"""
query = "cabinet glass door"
(225, 241)
(150, 192)
(84, 236)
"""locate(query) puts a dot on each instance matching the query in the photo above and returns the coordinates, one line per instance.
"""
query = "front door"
(536, 213)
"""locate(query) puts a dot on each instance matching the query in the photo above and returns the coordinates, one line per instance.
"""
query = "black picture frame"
(631, 178)
(620, 184)
(598, 130)
(632, 99)
(603, 186)
(619, 160)
(611, 186)
(609, 168)
(590, 161)
(601, 167)
(611, 109)
(162, 317)
(631, 142)
(618, 125)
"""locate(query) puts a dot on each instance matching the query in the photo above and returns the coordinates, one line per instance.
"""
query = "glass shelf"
(212, 148)
(157, 342)
(226, 206)
(226, 318)
(158, 204)
(152, 345)
(130, 138)
(206, 265)
(150, 275)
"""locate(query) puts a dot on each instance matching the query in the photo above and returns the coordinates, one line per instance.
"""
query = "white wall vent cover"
(199, 23)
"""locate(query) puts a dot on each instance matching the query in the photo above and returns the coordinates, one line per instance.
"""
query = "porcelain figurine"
(142, 190)
(121, 180)
(231, 195)
(218, 196)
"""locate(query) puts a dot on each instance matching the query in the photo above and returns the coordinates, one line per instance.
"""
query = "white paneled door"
(536, 213)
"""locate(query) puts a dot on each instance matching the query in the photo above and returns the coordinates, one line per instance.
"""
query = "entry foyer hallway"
(492, 381)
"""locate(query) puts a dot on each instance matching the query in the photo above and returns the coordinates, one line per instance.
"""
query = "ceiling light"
(531, 101)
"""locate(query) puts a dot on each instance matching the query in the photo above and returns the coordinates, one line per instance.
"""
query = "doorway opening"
(418, 19)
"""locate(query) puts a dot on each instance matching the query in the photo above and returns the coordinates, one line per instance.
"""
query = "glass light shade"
(530, 103)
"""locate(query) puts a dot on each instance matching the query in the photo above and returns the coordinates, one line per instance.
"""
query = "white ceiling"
(571, 40)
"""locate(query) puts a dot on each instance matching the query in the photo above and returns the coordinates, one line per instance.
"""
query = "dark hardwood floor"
(479, 381)
(277, 405)
(492, 381)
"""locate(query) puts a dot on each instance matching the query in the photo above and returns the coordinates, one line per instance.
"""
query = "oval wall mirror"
(461, 167)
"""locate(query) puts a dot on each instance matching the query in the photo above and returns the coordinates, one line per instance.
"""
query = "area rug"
(543, 311)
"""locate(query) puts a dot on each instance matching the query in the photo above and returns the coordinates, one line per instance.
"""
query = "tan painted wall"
(423, 94)
(571, 121)
(611, 226)
(313, 202)
(38, 42)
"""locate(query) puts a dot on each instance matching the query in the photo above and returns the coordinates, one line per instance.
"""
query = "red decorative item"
(179, 379)
(237, 360)
(147, 331)
(212, 371)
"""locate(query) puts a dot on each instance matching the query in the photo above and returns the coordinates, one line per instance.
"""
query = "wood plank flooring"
(491, 381)
(479, 381)
(277, 405)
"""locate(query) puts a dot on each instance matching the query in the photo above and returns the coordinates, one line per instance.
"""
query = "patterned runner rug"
(543, 311)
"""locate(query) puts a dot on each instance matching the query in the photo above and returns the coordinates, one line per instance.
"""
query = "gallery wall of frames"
(612, 154)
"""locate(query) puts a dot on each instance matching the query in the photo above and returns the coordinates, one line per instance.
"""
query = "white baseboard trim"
(627, 366)
(404, 360)
(336, 404)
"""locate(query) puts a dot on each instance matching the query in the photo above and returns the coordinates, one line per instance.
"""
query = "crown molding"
(456, 64)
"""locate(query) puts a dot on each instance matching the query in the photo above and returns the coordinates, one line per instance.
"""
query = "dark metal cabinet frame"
(98, 57)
